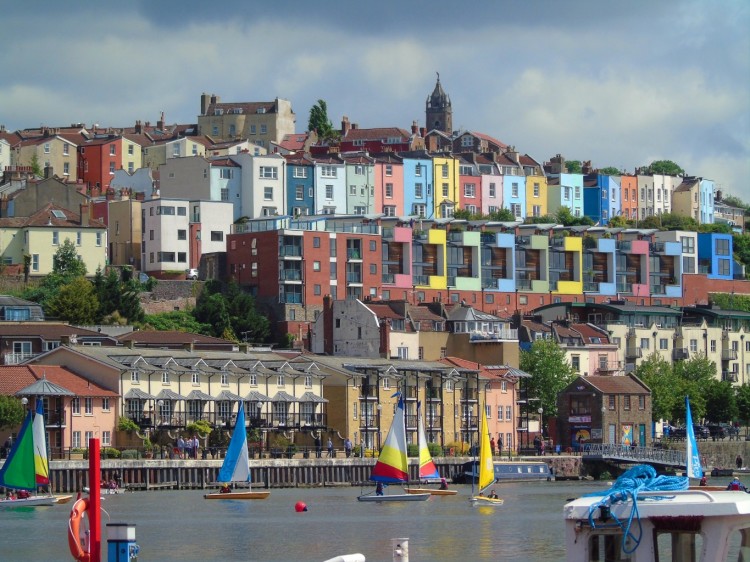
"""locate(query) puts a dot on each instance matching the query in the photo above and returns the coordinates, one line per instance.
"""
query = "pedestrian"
(196, 446)
(492, 446)
(500, 445)
(738, 461)
(188, 448)
(348, 447)
(181, 447)
(329, 446)
(541, 447)
(538, 445)
(318, 447)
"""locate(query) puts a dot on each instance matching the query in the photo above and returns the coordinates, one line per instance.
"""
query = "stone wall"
(169, 295)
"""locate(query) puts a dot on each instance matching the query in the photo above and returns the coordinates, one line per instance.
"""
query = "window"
(626, 402)
(55, 238)
(575, 363)
(663, 343)
(508, 415)
(567, 194)
(644, 343)
(328, 171)
(316, 266)
(269, 172)
(499, 413)
(165, 377)
(46, 148)
(514, 190)
(263, 129)
(329, 192)
(373, 246)
(268, 193)
(66, 169)
(611, 401)
(106, 438)
(536, 190)
(713, 346)
(693, 346)
(389, 190)
(299, 192)
(35, 262)
(641, 402)
(75, 406)
(88, 406)
(76, 441)
(111, 167)
(182, 234)
(724, 267)
(217, 236)
(470, 190)
(226, 173)
(445, 190)
(444, 170)
(578, 192)
(688, 244)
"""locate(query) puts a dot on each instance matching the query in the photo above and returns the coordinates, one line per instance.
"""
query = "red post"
(95, 528)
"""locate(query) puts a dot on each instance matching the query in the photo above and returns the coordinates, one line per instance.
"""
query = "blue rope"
(640, 478)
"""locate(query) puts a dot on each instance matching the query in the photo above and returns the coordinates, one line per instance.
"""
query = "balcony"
(469, 422)
(433, 422)
(608, 368)
(389, 233)
(420, 235)
(523, 241)
(290, 275)
(54, 419)
(354, 278)
(488, 239)
(411, 392)
(411, 421)
(469, 395)
(729, 376)
(624, 246)
(680, 353)
(353, 254)
(523, 284)
(657, 247)
(421, 279)
(590, 287)
(290, 251)
(508, 334)
(633, 353)
(728, 354)
(389, 278)
(16, 358)
(290, 298)
(557, 242)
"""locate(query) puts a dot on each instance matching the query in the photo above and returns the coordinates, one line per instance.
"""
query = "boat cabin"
(694, 525)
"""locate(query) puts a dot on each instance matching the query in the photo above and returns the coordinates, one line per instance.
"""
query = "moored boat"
(506, 471)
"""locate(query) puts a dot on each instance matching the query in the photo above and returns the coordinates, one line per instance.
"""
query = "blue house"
(419, 198)
(715, 255)
(300, 185)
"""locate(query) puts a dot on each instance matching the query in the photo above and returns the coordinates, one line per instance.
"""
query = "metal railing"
(670, 457)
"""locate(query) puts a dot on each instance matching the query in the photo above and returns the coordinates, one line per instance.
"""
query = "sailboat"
(428, 472)
(392, 466)
(236, 466)
(486, 467)
(27, 467)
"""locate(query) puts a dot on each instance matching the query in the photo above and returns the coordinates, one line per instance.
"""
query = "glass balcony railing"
(289, 250)
(421, 279)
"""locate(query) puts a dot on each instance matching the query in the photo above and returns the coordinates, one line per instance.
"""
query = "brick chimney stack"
(328, 325)
(85, 214)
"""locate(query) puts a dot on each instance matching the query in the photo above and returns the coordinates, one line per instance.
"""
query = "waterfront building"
(727, 214)
(536, 194)
(604, 409)
(599, 257)
(688, 256)
(76, 408)
(419, 199)
(25, 334)
(587, 348)
(361, 198)
(300, 188)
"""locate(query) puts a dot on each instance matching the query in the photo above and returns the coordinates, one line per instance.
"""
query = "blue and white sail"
(692, 458)
(236, 467)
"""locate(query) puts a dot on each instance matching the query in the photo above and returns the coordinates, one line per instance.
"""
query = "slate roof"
(14, 378)
(376, 134)
(45, 217)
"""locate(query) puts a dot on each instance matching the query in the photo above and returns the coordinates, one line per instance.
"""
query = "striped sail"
(427, 468)
(692, 458)
(41, 464)
(236, 466)
(392, 463)
(18, 471)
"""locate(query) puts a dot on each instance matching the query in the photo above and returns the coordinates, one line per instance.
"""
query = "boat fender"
(75, 541)
(299, 507)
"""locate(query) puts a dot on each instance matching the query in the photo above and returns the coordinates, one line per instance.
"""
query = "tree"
(75, 302)
(245, 320)
(212, 309)
(66, 261)
(564, 217)
(550, 373)
(320, 122)
(618, 221)
(175, 320)
(36, 167)
(743, 404)
(503, 215)
(665, 167)
(733, 201)
(12, 412)
(610, 171)
(573, 166)
(656, 373)
(721, 402)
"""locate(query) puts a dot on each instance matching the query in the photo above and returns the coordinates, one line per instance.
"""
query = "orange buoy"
(299, 507)
(77, 548)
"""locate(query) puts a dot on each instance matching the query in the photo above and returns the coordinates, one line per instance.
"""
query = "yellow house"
(536, 196)
(41, 235)
(132, 155)
(445, 178)
(51, 151)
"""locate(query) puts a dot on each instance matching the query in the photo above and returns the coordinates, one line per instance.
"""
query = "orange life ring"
(77, 512)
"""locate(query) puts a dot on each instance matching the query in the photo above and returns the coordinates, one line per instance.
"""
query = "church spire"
(438, 110)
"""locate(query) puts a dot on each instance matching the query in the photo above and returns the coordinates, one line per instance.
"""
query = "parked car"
(191, 273)
(717, 431)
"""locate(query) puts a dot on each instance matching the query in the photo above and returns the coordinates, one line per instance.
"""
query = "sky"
(620, 84)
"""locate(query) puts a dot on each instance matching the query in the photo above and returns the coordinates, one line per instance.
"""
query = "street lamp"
(541, 422)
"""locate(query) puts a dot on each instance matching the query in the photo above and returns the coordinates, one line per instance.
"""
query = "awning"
(137, 393)
(255, 396)
(226, 395)
(312, 397)
(43, 387)
(198, 395)
(167, 394)
(283, 397)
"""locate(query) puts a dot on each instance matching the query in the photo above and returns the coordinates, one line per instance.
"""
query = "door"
(642, 435)
(611, 437)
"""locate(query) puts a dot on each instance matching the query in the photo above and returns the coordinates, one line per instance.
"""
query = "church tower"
(438, 111)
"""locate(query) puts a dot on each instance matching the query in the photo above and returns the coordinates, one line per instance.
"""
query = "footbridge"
(637, 455)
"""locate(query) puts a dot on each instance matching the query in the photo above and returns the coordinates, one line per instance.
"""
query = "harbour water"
(181, 525)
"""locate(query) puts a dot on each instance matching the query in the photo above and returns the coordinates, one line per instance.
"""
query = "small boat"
(27, 467)
(428, 472)
(645, 517)
(236, 466)
(392, 465)
(507, 471)
(486, 468)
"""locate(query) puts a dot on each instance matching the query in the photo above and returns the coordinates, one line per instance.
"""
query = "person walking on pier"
(318, 446)
(348, 447)
(329, 446)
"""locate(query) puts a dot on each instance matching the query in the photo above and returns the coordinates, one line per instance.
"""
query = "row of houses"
(299, 398)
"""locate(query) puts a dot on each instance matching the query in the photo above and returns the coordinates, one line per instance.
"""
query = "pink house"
(75, 408)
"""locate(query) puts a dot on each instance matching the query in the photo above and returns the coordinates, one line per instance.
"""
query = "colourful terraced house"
(446, 174)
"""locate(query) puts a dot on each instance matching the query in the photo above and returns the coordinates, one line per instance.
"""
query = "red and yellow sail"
(392, 464)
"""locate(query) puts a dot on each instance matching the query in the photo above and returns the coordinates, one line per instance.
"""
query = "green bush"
(435, 450)
(412, 450)
(605, 475)
(131, 454)
(126, 424)
(110, 453)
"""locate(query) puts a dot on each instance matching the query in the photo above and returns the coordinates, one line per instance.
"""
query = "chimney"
(138, 127)
(385, 338)
(243, 347)
(140, 196)
(160, 122)
(188, 346)
(414, 128)
(345, 126)
(85, 214)
(110, 194)
(423, 132)
(328, 325)
(64, 339)
(130, 344)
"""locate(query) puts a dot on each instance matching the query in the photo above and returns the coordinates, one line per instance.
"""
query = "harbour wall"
(158, 474)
